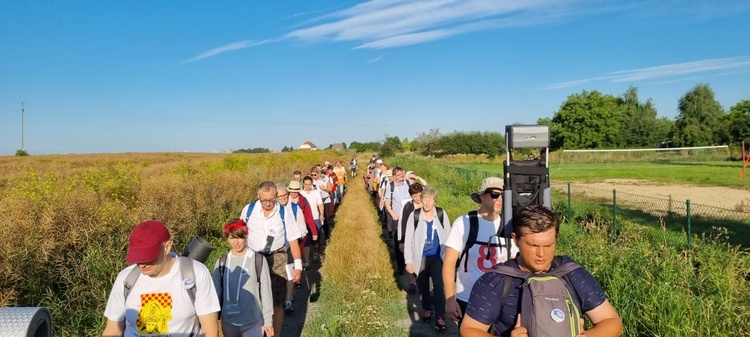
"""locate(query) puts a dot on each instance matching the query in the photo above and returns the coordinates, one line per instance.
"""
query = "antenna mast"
(22, 109)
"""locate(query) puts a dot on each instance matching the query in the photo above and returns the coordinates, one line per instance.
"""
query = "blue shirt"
(431, 242)
(484, 303)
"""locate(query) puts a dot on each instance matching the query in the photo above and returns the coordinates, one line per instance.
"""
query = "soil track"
(715, 196)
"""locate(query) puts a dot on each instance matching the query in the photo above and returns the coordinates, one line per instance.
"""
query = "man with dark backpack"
(538, 293)
(473, 246)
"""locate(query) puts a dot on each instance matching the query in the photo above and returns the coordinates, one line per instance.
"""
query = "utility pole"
(22, 126)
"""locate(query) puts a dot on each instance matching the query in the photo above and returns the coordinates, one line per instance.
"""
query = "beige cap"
(491, 182)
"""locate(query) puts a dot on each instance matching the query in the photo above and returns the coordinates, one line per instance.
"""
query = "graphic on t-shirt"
(156, 312)
(488, 257)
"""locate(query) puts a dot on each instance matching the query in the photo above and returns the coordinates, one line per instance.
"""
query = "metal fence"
(676, 214)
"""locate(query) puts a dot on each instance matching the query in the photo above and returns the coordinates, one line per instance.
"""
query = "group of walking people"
(251, 287)
(453, 266)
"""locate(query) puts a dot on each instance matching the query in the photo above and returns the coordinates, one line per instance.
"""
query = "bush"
(21, 153)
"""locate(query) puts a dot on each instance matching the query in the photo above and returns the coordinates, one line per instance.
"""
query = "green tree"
(638, 122)
(699, 120)
(391, 146)
(587, 120)
(739, 122)
(426, 141)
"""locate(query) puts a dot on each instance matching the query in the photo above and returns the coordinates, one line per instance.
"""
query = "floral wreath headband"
(236, 225)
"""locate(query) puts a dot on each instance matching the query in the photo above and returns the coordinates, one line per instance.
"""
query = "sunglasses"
(494, 194)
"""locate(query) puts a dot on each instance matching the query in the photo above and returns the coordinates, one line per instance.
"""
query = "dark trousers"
(432, 268)
(328, 216)
(400, 263)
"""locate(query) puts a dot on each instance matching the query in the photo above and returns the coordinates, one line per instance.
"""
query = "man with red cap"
(161, 293)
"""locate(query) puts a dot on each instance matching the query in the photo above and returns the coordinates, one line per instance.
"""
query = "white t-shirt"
(160, 305)
(299, 217)
(314, 199)
(259, 227)
(323, 181)
(477, 262)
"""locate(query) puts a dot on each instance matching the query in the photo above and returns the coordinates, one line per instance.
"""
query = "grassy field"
(65, 220)
(659, 286)
(724, 173)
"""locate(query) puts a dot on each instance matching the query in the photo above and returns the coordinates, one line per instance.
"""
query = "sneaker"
(427, 316)
(288, 306)
(440, 324)
(412, 288)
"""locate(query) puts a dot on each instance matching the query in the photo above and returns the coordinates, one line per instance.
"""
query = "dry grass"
(360, 297)
(64, 220)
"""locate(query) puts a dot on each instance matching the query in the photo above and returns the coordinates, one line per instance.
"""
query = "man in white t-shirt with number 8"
(480, 257)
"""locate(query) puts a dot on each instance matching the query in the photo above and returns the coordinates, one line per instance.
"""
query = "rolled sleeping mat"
(25, 322)
(199, 249)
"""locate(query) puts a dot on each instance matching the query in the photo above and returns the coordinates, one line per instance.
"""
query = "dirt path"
(304, 301)
(715, 196)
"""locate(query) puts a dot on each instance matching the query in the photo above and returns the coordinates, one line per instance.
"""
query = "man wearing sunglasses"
(468, 256)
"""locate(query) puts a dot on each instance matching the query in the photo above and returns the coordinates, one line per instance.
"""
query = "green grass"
(722, 173)
(658, 285)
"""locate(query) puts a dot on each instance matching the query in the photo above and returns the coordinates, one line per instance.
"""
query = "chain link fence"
(578, 204)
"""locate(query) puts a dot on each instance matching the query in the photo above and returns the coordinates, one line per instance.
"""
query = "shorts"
(277, 266)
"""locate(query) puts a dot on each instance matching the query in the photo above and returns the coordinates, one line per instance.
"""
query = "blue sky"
(131, 76)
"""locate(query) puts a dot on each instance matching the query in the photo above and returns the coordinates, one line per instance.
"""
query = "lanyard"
(239, 281)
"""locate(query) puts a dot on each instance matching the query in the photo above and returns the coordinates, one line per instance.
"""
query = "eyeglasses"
(494, 194)
(282, 196)
(267, 201)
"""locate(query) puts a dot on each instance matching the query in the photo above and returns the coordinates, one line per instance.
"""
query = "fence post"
(689, 228)
(614, 212)
(570, 211)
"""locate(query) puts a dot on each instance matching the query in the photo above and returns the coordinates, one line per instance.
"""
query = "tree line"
(594, 120)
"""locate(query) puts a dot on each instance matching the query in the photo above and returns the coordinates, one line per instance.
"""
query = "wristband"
(297, 264)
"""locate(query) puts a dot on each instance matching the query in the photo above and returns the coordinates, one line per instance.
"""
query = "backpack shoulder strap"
(473, 232)
(250, 207)
(188, 276)
(562, 270)
(440, 215)
(130, 281)
(294, 209)
(416, 214)
(258, 265)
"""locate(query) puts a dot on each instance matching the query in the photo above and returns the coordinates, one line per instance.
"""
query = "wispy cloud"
(708, 66)
(227, 48)
(379, 24)
(374, 60)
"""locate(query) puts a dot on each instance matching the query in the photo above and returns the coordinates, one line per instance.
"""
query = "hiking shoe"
(412, 288)
(427, 316)
(440, 324)
(288, 306)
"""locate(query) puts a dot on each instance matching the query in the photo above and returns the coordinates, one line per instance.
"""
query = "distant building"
(308, 146)
(338, 146)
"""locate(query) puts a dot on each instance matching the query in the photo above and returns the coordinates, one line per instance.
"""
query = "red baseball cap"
(146, 241)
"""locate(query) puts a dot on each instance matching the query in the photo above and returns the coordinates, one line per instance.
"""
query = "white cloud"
(394, 23)
(664, 71)
(374, 60)
(227, 48)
